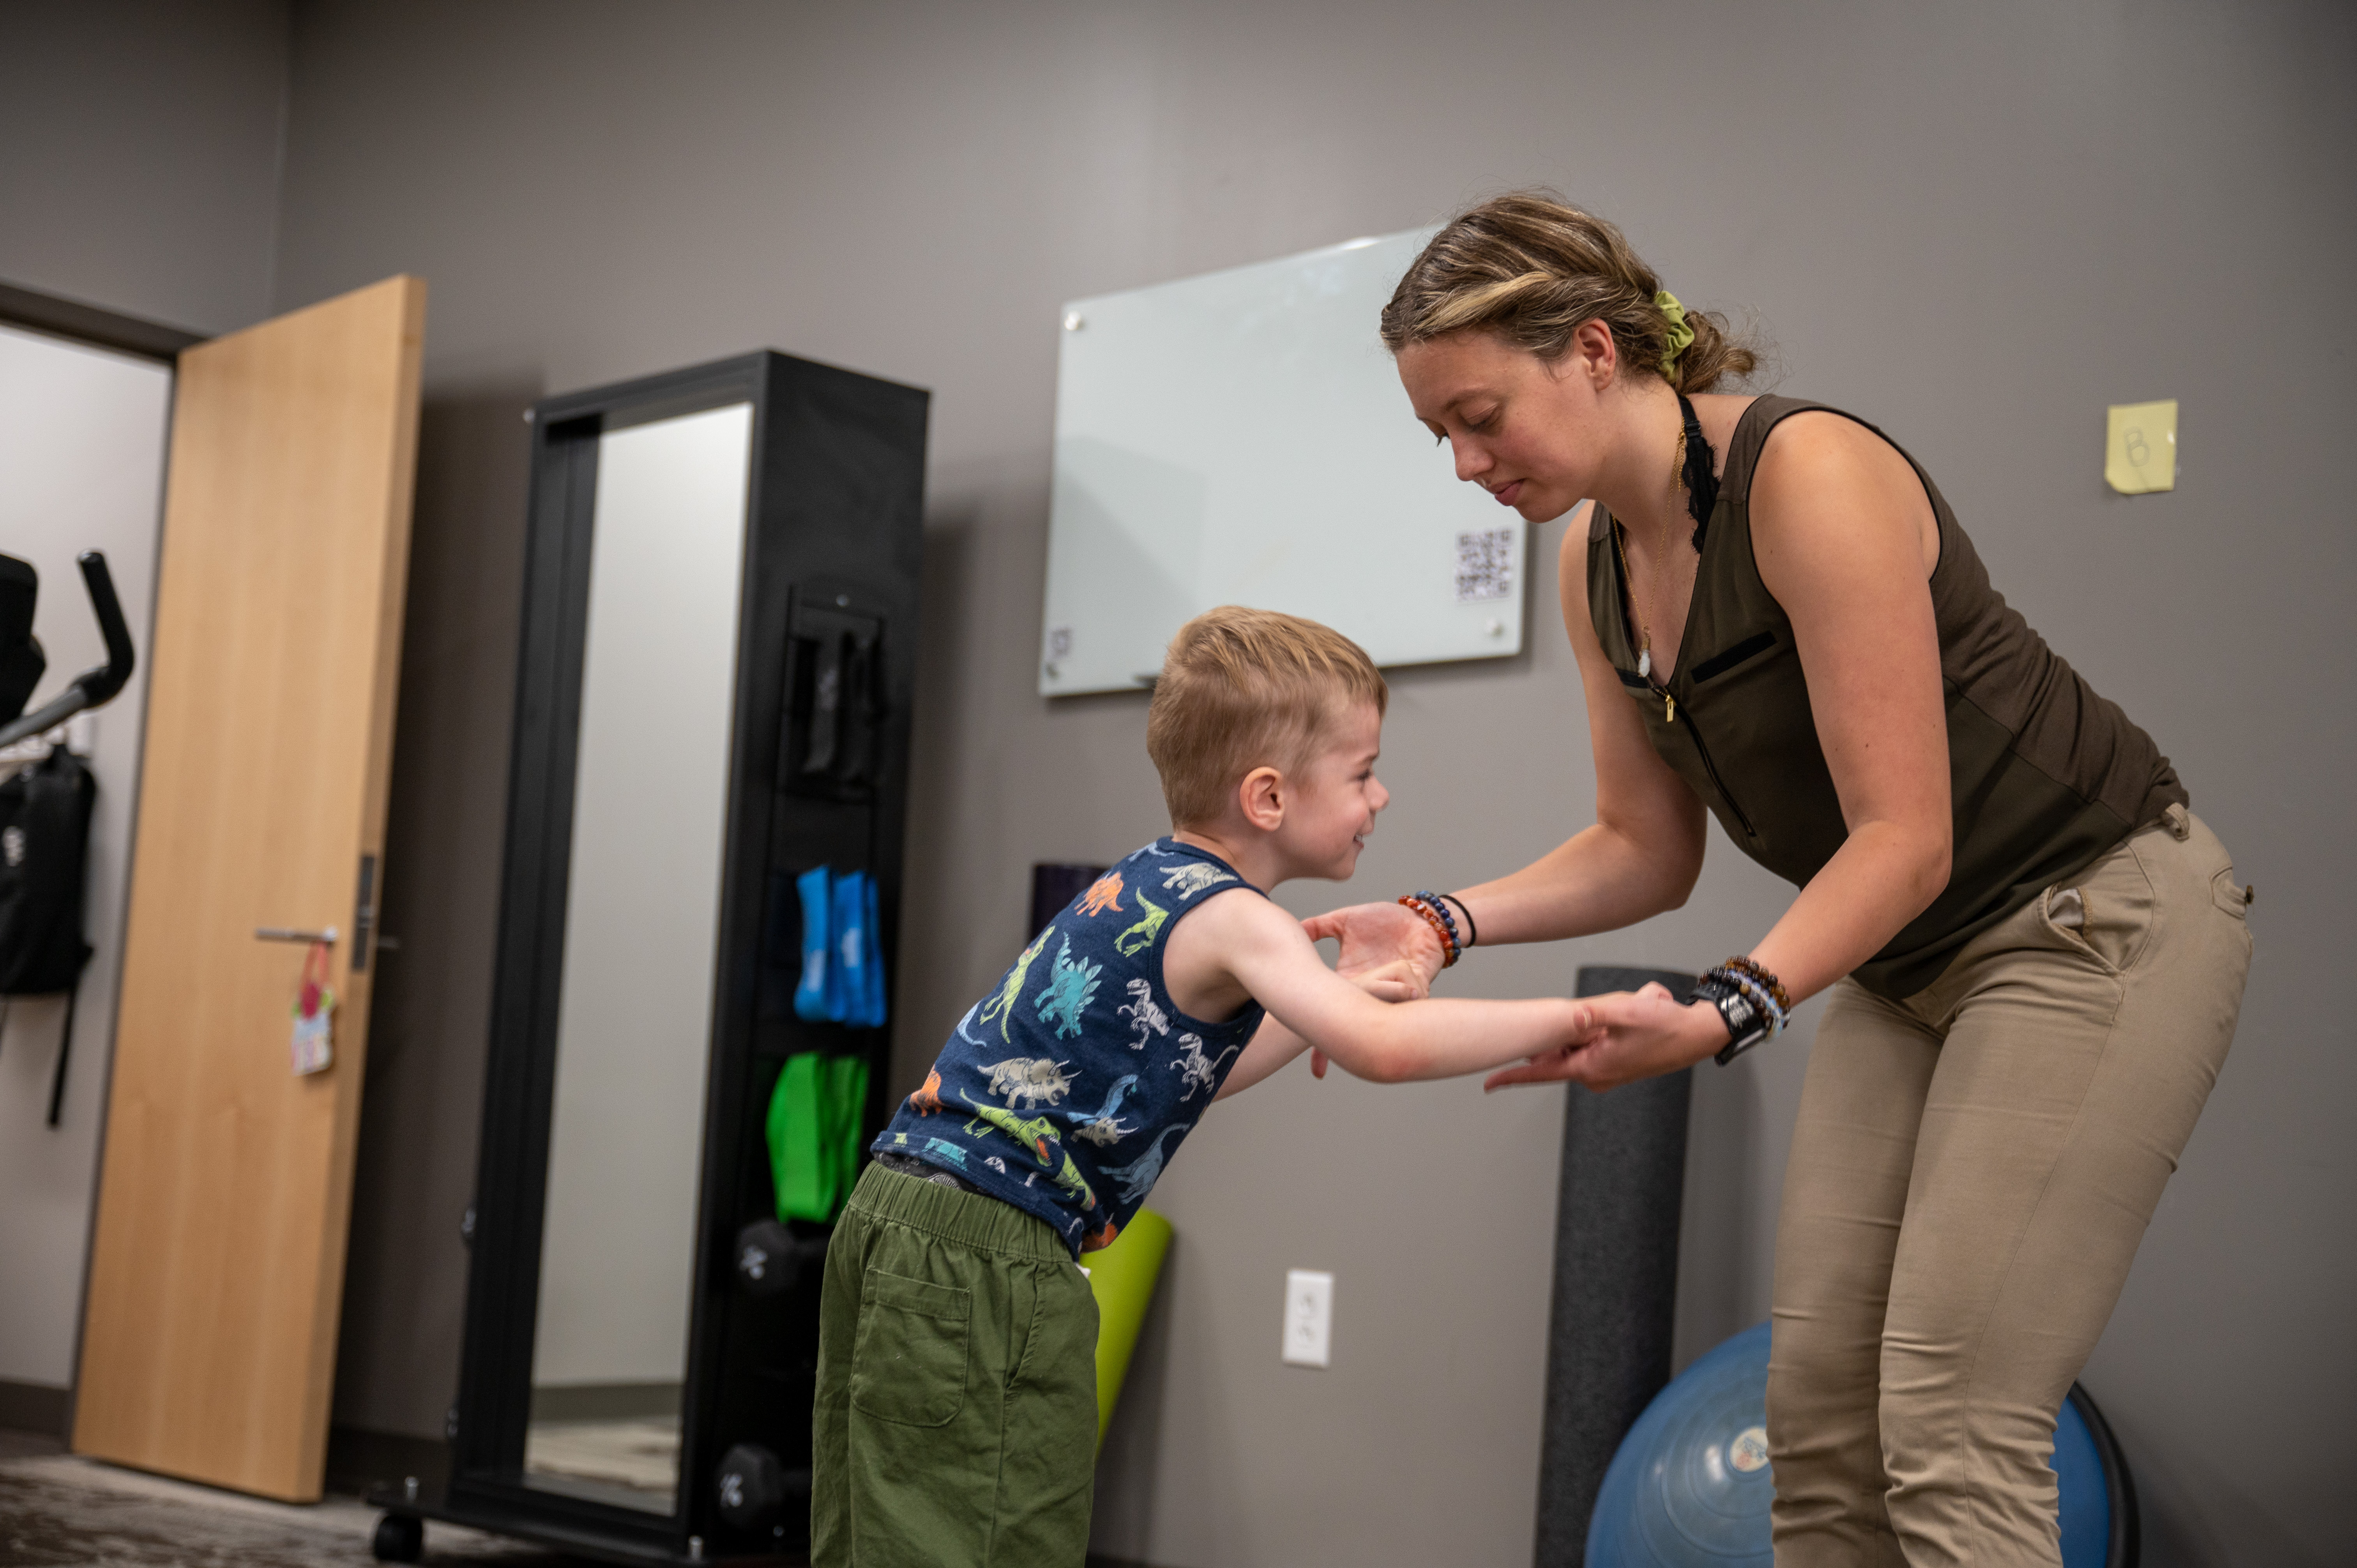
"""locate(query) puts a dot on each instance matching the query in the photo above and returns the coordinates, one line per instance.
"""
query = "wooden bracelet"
(1768, 980)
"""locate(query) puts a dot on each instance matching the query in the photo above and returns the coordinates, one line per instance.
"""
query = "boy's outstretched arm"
(1265, 955)
(1273, 1045)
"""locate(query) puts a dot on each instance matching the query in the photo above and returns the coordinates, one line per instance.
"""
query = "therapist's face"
(1529, 432)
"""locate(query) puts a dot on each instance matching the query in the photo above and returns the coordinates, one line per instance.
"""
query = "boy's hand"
(1636, 1035)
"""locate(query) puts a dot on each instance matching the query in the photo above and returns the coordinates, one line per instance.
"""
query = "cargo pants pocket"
(909, 1366)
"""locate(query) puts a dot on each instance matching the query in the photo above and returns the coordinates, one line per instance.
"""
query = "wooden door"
(217, 1271)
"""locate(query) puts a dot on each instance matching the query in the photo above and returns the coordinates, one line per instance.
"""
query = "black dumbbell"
(771, 1257)
(752, 1487)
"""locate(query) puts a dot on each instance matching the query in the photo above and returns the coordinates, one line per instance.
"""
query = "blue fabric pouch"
(848, 977)
(814, 995)
(873, 1014)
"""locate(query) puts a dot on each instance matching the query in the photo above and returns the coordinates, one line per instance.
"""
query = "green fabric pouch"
(814, 1133)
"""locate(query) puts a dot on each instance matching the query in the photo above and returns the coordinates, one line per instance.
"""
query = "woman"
(2035, 953)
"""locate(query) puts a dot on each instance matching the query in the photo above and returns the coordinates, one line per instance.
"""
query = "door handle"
(289, 934)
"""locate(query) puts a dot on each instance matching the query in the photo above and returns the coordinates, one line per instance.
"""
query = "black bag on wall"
(45, 813)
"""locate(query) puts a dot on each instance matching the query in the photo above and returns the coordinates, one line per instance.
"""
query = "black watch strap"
(1747, 1021)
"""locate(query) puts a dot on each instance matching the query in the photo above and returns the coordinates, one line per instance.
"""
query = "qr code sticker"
(1485, 565)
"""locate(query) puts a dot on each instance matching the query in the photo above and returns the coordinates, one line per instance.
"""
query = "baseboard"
(605, 1402)
(36, 1407)
(359, 1459)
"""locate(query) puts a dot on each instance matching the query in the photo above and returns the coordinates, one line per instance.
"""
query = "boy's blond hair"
(1242, 689)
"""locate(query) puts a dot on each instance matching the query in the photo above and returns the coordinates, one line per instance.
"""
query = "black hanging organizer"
(46, 808)
(819, 775)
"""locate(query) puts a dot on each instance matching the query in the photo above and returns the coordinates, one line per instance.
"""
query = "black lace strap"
(1702, 479)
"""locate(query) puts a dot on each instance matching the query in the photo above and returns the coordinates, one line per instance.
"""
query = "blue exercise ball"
(1689, 1485)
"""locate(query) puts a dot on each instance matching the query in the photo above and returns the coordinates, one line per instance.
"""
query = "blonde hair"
(1530, 268)
(1242, 689)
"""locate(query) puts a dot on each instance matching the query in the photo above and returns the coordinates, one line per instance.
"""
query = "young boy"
(955, 1421)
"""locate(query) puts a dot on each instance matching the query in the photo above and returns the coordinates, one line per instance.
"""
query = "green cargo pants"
(956, 1419)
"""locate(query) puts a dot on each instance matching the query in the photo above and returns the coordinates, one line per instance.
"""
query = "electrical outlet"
(1309, 1316)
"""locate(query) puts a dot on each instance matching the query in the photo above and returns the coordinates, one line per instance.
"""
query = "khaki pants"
(1971, 1172)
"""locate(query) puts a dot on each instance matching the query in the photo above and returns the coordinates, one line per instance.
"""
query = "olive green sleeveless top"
(2045, 775)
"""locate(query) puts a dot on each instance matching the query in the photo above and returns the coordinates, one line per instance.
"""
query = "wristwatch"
(1747, 1021)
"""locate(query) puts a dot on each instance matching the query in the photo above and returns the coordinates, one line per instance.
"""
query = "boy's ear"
(1261, 796)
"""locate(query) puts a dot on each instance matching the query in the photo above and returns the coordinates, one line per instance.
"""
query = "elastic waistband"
(966, 1218)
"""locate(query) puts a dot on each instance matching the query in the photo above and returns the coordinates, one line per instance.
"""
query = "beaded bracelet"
(1767, 1003)
(1759, 971)
(1441, 908)
(1751, 1002)
(1472, 933)
(1441, 928)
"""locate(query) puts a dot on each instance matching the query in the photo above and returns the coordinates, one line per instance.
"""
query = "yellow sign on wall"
(2140, 452)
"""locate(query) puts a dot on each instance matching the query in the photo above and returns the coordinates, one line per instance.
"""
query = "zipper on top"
(1708, 766)
(1670, 715)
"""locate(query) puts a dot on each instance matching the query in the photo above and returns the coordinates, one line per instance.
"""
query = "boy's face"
(1336, 799)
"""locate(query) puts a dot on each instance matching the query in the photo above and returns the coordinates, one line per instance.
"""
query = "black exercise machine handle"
(91, 688)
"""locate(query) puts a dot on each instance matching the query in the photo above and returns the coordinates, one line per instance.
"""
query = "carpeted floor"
(57, 1510)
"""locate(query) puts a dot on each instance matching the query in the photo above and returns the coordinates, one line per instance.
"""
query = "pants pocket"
(2231, 896)
(909, 1363)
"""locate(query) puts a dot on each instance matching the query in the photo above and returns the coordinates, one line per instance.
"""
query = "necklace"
(1644, 621)
(1682, 479)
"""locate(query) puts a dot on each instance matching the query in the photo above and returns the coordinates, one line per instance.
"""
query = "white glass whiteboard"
(1241, 438)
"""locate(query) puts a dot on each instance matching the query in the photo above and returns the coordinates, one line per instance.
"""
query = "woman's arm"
(1845, 541)
(1839, 526)
(1640, 858)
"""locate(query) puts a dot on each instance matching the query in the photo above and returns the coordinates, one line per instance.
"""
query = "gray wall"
(1977, 227)
(139, 144)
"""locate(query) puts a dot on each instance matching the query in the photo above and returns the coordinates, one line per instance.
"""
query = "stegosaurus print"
(1070, 988)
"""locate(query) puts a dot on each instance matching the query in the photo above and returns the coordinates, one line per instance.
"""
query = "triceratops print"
(928, 1098)
(1034, 1078)
(1105, 894)
(1067, 994)
(1196, 1070)
(1145, 1019)
(1191, 878)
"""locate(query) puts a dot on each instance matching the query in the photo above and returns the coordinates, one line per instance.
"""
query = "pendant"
(1645, 662)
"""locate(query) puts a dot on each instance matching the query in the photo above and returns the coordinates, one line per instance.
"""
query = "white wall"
(81, 463)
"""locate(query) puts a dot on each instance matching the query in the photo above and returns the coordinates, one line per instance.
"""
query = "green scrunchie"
(1679, 333)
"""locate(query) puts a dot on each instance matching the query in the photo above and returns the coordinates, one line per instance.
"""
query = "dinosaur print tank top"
(1067, 1089)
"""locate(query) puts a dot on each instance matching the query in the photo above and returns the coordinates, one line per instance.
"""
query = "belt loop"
(2180, 820)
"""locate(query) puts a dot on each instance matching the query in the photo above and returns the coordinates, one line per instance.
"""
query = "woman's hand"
(1644, 1034)
(1376, 936)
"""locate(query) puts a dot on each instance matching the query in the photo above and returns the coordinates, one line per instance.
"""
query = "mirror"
(641, 930)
